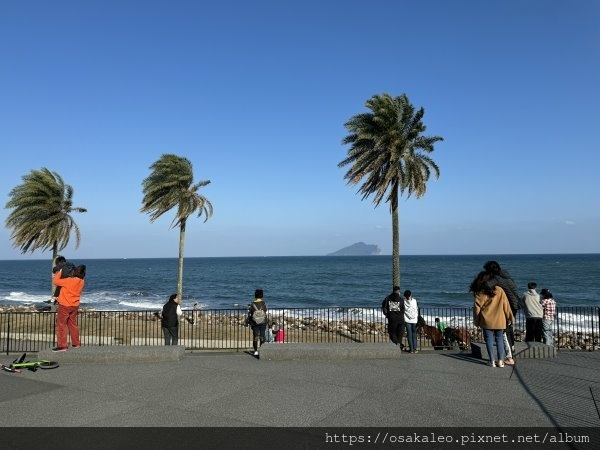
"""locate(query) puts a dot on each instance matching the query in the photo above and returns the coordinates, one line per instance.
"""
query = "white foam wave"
(23, 297)
(142, 305)
(331, 314)
(581, 322)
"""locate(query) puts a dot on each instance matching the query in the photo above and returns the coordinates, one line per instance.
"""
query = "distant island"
(358, 249)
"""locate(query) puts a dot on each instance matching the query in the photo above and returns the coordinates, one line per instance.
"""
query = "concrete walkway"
(229, 389)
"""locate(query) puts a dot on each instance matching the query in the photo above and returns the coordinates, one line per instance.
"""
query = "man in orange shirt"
(68, 308)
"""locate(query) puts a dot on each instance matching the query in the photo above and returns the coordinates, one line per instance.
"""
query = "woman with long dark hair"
(491, 312)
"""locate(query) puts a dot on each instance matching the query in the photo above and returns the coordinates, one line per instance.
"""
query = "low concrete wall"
(275, 351)
(225, 344)
(115, 354)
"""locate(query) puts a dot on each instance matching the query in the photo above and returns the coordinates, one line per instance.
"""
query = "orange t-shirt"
(71, 289)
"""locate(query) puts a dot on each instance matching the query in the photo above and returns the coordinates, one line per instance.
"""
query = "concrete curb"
(115, 354)
(274, 351)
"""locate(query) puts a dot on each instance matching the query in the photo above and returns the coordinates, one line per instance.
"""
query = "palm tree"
(170, 185)
(388, 148)
(41, 213)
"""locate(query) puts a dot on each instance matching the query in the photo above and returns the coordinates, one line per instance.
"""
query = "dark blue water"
(320, 281)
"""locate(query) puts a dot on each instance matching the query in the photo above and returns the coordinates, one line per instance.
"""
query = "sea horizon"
(490, 255)
(300, 281)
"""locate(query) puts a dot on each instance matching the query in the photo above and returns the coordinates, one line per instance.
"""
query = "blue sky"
(256, 95)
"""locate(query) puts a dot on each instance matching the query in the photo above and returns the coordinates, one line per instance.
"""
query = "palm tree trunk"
(54, 255)
(395, 239)
(180, 263)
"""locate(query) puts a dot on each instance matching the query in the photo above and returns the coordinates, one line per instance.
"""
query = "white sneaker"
(256, 353)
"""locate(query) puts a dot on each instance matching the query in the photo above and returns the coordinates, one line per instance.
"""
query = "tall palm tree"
(41, 213)
(170, 185)
(388, 149)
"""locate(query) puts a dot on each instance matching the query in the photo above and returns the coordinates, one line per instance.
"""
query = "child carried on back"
(67, 268)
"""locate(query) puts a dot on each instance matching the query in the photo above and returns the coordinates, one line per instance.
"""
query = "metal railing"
(31, 331)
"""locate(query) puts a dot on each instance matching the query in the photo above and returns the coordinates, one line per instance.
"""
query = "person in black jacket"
(257, 319)
(393, 309)
(170, 320)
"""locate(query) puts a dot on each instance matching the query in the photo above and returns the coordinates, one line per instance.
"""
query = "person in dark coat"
(257, 319)
(170, 320)
(393, 309)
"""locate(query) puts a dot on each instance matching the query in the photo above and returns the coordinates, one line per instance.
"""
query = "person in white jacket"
(411, 316)
(533, 314)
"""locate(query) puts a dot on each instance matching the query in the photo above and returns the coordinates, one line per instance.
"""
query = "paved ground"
(227, 389)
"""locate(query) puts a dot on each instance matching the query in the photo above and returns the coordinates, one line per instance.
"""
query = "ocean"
(299, 282)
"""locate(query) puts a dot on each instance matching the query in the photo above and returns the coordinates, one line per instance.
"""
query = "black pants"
(533, 329)
(510, 334)
(396, 328)
(171, 335)
(258, 335)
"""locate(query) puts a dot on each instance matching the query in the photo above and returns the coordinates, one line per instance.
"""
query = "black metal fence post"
(557, 335)
(8, 338)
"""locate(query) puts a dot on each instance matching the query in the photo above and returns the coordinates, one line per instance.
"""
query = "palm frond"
(389, 154)
(41, 212)
(170, 186)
